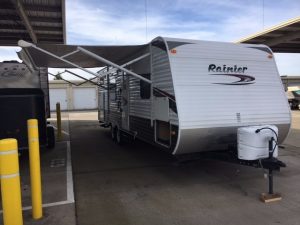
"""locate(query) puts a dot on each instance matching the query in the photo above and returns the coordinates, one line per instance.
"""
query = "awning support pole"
(25, 44)
(93, 55)
(76, 75)
(51, 74)
(126, 64)
(68, 54)
(62, 59)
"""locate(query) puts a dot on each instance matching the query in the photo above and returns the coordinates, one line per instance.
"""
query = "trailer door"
(102, 109)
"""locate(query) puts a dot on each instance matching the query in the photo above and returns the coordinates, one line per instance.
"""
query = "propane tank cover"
(252, 145)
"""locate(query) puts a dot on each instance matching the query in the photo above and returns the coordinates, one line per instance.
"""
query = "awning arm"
(70, 53)
(103, 73)
(93, 55)
(86, 81)
(25, 44)
(51, 74)
(76, 75)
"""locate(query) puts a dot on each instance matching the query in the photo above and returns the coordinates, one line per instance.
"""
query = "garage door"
(84, 98)
(58, 95)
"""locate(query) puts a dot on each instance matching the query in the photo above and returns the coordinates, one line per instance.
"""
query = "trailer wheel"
(119, 136)
(50, 137)
(112, 132)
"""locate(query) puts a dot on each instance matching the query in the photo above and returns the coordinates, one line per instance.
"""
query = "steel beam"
(283, 39)
(23, 16)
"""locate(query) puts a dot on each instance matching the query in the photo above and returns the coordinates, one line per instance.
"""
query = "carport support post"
(58, 120)
(35, 168)
(10, 182)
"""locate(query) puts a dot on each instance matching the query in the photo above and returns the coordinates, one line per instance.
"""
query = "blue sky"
(119, 22)
(115, 22)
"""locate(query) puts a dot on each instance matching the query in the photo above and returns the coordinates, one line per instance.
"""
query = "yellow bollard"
(10, 182)
(35, 168)
(58, 118)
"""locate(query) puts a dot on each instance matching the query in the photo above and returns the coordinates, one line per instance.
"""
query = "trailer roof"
(37, 21)
(284, 38)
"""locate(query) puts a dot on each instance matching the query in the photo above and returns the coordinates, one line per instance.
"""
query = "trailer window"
(113, 92)
(145, 88)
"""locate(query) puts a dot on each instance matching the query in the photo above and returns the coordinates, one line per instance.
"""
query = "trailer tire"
(50, 137)
(119, 136)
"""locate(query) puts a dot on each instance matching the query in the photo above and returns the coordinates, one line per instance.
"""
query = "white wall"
(58, 95)
(73, 97)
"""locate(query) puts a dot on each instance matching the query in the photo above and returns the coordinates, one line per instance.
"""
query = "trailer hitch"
(271, 164)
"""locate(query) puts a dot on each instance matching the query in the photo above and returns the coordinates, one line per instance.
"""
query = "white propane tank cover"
(252, 145)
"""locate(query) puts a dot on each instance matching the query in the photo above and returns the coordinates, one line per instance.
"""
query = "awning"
(284, 37)
(115, 54)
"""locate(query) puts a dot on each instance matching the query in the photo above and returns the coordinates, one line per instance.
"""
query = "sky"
(116, 22)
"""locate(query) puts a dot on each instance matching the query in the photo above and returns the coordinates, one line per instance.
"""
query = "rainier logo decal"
(232, 71)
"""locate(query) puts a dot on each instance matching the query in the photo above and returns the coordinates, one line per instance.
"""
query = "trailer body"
(199, 93)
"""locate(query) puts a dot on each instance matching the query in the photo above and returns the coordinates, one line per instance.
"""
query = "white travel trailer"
(185, 96)
(194, 95)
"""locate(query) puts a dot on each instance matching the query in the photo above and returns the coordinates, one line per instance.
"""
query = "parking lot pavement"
(139, 184)
(57, 185)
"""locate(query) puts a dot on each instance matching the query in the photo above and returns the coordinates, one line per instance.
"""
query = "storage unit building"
(72, 97)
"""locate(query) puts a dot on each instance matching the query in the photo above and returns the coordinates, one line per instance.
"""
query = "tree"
(58, 76)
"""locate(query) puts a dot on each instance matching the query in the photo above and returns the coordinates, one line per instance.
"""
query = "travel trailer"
(219, 100)
(185, 96)
(194, 95)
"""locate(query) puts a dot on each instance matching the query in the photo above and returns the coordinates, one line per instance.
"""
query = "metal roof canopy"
(37, 21)
(283, 38)
(289, 81)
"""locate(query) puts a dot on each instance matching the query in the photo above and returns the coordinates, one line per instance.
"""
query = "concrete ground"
(139, 184)
(57, 184)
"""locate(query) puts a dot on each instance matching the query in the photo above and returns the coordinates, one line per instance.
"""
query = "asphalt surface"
(139, 184)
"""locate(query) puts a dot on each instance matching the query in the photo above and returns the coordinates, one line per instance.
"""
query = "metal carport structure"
(37, 21)
(282, 38)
